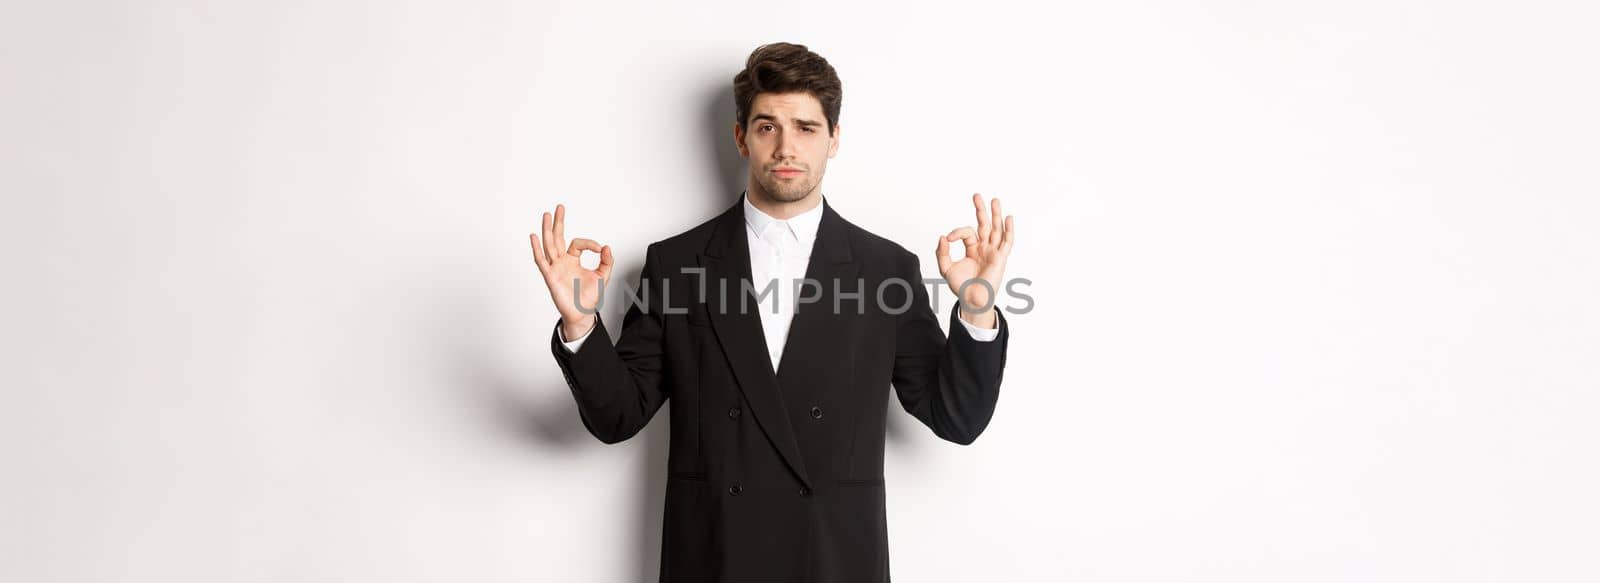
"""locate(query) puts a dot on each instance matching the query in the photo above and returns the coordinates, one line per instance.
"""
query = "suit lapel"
(810, 333)
(727, 259)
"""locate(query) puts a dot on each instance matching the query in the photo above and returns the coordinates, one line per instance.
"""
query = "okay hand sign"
(562, 273)
(986, 252)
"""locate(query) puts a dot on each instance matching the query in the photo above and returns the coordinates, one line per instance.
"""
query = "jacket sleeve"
(619, 388)
(950, 384)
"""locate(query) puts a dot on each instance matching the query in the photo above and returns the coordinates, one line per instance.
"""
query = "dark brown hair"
(787, 68)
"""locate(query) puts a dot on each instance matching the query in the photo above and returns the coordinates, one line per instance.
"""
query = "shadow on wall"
(728, 168)
(548, 416)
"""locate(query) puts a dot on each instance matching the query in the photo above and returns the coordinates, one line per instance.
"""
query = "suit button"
(733, 413)
(804, 491)
(816, 412)
(735, 489)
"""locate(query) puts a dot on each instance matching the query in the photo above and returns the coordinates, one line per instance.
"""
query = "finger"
(997, 220)
(969, 239)
(580, 244)
(551, 251)
(1008, 236)
(983, 216)
(561, 226)
(605, 263)
(942, 252)
(538, 251)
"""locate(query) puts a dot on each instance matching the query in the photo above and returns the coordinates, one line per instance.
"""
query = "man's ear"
(738, 140)
(833, 145)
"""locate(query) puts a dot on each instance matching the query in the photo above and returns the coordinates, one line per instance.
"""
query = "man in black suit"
(774, 331)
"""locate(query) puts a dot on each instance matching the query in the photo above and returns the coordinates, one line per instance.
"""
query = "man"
(778, 390)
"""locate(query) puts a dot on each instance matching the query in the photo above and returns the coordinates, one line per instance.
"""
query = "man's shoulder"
(686, 246)
(875, 246)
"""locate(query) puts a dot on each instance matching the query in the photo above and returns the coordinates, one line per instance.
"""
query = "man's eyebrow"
(799, 122)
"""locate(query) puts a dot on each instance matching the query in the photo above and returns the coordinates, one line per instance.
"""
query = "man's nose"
(784, 149)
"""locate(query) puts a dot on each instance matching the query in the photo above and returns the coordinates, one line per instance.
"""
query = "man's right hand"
(560, 269)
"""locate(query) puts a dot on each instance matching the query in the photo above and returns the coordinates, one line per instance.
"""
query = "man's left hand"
(986, 251)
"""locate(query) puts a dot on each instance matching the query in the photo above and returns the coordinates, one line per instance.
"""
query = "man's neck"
(782, 211)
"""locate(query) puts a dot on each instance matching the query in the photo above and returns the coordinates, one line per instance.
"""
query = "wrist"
(571, 329)
(985, 319)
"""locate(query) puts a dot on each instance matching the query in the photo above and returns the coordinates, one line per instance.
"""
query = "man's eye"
(765, 128)
(810, 130)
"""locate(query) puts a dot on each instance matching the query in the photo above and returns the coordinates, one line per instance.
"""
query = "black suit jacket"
(778, 477)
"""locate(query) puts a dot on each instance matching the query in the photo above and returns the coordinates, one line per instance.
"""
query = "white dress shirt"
(780, 250)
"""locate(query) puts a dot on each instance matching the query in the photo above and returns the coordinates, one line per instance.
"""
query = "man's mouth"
(788, 172)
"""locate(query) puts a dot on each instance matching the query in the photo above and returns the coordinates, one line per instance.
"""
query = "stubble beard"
(788, 191)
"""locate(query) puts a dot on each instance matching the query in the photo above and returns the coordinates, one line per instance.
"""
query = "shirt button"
(804, 491)
(816, 412)
(733, 413)
(735, 489)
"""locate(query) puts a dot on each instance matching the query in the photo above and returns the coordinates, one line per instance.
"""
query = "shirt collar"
(802, 227)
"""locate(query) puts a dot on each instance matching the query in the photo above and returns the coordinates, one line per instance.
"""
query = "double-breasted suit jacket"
(777, 477)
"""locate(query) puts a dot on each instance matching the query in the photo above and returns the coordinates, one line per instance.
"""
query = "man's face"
(788, 144)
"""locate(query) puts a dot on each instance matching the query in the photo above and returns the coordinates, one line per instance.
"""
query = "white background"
(1315, 282)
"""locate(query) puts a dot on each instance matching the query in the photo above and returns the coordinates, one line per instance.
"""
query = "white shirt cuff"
(572, 346)
(982, 334)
